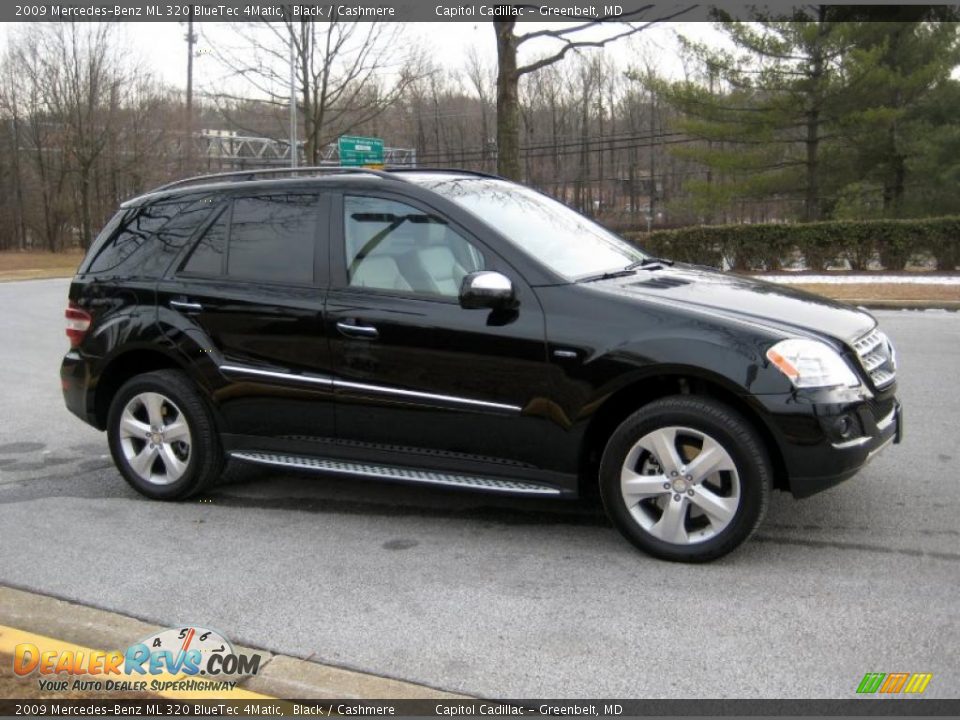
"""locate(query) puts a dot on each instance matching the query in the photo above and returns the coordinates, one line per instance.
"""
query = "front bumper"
(825, 440)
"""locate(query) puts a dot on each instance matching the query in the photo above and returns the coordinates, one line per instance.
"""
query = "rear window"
(123, 248)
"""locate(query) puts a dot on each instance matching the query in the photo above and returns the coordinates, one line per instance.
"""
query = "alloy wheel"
(680, 485)
(155, 438)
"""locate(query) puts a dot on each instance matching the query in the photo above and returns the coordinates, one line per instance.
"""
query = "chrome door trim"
(276, 375)
(381, 389)
(414, 394)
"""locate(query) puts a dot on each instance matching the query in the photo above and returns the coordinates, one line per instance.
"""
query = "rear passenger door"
(250, 296)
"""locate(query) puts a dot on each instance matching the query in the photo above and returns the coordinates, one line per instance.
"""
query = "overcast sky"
(163, 47)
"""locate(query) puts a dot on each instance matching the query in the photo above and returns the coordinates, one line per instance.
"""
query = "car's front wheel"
(162, 436)
(685, 478)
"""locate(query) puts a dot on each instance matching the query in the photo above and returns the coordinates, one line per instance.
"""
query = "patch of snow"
(863, 279)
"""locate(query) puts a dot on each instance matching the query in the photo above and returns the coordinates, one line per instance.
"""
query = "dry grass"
(872, 292)
(33, 264)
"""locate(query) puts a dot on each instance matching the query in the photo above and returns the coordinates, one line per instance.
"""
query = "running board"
(391, 472)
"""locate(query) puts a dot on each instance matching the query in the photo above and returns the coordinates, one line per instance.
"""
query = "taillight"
(78, 322)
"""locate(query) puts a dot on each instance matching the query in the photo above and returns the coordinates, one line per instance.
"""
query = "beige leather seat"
(379, 272)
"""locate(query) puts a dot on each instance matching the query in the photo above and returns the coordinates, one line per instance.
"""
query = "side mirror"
(486, 289)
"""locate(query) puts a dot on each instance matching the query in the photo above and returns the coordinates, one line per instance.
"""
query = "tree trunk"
(811, 209)
(86, 222)
(18, 183)
(508, 101)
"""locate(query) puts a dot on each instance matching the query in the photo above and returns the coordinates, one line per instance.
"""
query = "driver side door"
(419, 380)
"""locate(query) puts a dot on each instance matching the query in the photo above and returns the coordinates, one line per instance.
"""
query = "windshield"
(560, 238)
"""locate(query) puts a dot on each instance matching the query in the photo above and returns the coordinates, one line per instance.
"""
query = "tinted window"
(272, 238)
(171, 238)
(208, 253)
(395, 246)
(122, 253)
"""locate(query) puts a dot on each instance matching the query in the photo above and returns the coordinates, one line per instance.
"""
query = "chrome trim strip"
(243, 370)
(847, 444)
(346, 384)
(410, 475)
(888, 420)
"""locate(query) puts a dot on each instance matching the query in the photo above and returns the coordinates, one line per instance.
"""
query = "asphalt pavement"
(495, 597)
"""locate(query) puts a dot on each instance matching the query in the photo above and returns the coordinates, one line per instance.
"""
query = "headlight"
(811, 363)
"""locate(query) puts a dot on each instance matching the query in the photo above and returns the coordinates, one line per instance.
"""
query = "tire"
(185, 457)
(672, 509)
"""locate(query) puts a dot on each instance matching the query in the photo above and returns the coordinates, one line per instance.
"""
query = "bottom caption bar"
(478, 708)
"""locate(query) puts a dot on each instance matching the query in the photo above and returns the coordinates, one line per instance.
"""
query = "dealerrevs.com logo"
(188, 658)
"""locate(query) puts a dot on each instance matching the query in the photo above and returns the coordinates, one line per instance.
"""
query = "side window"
(273, 237)
(171, 238)
(121, 253)
(394, 246)
(207, 255)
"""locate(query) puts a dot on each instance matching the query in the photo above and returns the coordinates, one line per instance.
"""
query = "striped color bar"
(893, 683)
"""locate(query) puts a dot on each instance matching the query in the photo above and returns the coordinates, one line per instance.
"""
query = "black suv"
(457, 329)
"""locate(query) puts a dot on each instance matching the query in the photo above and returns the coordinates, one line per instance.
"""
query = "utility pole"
(293, 102)
(653, 159)
(191, 41)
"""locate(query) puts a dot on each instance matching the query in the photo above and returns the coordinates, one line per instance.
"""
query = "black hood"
(745, 297)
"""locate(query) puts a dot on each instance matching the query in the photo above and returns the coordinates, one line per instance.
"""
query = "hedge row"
(892, 243)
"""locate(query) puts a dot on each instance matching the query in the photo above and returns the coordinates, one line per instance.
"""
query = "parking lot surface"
(497, 597)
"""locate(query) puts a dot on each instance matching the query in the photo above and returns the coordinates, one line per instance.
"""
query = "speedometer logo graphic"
(180, 641)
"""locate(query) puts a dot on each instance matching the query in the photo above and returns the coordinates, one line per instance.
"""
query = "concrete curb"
(280, 676)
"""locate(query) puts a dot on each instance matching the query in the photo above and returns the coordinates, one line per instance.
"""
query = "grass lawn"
(871, 292)
(34, 264)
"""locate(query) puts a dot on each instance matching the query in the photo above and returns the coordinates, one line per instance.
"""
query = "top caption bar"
(635, 11)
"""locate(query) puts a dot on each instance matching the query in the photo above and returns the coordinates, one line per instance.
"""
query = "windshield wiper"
(648, 262)
(608, 275)
(631, 269)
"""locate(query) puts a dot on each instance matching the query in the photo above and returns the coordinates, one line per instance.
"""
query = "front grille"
(877, 357)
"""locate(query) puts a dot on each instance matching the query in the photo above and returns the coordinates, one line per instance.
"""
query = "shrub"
(768, 246)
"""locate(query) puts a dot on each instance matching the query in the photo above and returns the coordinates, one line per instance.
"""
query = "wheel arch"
(680, 381)
(120, 369)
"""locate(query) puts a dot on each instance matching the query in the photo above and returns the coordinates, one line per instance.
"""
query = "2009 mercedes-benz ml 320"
(457, 329)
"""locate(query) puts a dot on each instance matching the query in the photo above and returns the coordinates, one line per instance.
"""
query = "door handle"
(186, 306)
(357, 331)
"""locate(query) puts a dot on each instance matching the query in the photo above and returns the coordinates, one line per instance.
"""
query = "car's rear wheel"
(162, 436)
(685, 478)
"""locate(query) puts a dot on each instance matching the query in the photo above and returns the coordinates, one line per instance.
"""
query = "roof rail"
(452, 171)
(247, 175)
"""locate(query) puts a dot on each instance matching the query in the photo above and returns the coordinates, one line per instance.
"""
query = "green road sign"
(356, 151)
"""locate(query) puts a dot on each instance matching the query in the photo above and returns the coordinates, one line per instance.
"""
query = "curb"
(281, 676)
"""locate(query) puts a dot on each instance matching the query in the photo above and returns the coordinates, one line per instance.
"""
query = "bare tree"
(347, 73)
(509, 71)
(86, 79)
(483, 82)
